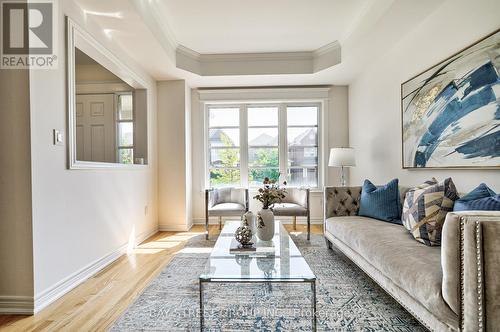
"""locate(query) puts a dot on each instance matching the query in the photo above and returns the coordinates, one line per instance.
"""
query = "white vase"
(249, 219)
(265, 224)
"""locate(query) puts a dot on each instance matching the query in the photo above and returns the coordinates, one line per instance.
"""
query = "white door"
(95, 128)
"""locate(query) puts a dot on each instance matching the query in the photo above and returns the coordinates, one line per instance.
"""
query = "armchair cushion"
(226, 209)
(296, 196)
(229, 195)
(289, 209)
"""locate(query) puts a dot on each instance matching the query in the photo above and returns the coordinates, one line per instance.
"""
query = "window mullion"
(206, 117)
(244, 145)
(282, 141)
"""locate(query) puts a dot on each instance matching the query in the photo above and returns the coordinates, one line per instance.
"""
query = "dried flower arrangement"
(270, 193)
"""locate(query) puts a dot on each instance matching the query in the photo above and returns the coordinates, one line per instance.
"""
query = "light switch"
(58, 137)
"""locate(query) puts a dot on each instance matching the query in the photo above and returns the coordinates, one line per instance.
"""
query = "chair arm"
(341, 201)
(209, 198)
(308, 200)
(470, 259)
(247, 199)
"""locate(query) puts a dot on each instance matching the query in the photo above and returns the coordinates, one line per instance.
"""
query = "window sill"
(313, 191)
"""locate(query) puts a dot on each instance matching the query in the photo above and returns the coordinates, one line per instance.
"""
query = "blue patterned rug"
(347, 299)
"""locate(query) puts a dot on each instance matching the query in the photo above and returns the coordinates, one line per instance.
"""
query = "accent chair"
(295, 204)
(224, 202)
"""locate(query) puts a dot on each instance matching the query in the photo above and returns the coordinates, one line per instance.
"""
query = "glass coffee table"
(275, 261)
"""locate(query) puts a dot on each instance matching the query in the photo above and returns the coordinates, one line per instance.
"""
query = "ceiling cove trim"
(271, 63)
(149, 13)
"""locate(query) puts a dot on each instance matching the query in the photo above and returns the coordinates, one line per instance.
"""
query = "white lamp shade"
(342, 157)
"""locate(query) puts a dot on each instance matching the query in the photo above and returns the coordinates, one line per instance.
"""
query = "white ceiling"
(366, 29)
(240, 26)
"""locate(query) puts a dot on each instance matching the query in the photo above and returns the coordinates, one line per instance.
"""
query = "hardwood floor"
(98, 302)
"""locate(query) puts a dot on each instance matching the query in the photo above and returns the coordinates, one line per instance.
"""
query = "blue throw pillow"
(481, 198)
(482, 191)
(382, 202)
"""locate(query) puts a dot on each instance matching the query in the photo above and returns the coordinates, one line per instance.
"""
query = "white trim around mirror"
(74, 34)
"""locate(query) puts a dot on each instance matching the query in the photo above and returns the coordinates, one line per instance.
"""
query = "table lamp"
(342, 157)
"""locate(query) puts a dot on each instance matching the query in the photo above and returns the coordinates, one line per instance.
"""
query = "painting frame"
(402, 119)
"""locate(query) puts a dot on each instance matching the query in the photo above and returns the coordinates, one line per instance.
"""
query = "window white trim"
(118, 146)
(261, 97)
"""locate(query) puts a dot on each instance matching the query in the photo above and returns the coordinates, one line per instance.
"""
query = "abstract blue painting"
(451, 112)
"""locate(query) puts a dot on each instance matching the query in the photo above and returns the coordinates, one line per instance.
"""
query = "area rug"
(347, 299)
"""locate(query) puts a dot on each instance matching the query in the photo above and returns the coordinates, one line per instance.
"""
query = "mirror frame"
(109, 61)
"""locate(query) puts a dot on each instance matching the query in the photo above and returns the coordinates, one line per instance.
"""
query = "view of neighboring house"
(301, 149)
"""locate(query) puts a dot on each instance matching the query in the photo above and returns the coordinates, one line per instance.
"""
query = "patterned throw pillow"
(425, 208)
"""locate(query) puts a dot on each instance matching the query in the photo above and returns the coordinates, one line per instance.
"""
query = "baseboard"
(284, 220)
(64, 286)
(16, 305)
(146, 235)
(174, 228)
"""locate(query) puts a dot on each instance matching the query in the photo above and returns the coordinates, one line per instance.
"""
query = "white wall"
(338, 129)
(174, 155)
(16, 250)
(81, 217)
(374, 97)
(336, 134)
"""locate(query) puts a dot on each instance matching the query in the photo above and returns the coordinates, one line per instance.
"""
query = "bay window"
(248, 142)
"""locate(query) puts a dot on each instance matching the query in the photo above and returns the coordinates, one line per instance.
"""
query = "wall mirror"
(107, 107)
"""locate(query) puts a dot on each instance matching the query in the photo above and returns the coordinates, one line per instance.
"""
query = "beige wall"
(93, 73)
(336, 134)
(174, 163)
(16, 254)
(374, 97)
(81, 217)
(338, 129)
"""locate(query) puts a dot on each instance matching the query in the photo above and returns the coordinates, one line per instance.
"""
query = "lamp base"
(342, 177)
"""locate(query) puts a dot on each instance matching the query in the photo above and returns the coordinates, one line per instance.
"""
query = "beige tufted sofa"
(455, 287)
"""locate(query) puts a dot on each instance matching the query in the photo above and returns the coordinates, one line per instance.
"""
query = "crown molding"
(269, 56)
(223, 64)
(327, 56)
(266, 63)
(150, 15)
(327, 49)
